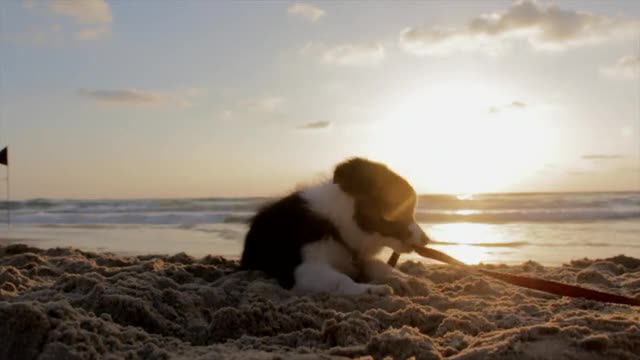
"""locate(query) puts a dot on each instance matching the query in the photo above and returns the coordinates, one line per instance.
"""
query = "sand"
(63, 303)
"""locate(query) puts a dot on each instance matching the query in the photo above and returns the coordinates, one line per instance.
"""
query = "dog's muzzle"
(424, 239)
(418, 236)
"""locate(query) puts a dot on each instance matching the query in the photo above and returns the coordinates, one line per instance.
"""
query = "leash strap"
(552, 287)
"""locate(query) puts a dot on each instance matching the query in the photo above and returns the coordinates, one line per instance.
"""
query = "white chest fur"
(328, 200)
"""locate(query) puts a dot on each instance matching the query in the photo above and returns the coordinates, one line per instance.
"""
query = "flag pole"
(4, 160)
(8, 200)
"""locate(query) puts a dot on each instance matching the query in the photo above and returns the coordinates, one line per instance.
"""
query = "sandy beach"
(147, 147)
(63, 303)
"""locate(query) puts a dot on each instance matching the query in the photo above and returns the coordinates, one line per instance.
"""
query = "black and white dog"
(325, 237)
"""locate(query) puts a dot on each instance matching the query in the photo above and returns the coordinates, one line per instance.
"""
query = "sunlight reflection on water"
(472, 243)
(546, 243)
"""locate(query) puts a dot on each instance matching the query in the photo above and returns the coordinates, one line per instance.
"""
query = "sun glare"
(451, 139)
(464, 241)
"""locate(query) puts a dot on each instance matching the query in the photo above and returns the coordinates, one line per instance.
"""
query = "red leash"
(526, 282)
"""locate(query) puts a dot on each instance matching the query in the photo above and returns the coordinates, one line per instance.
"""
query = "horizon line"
(253, 197)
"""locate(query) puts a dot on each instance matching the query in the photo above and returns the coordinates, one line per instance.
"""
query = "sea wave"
(133, 218)
(534, 215)
(516, 244)
(526, 201)
(133, 206)
(241, 217)
(432, 209)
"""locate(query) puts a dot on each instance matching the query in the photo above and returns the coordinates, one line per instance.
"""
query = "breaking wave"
(484, 208)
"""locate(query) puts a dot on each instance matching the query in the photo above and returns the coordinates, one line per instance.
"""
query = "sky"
(121, 99)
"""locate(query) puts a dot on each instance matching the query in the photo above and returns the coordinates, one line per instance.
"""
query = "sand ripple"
(64, 303)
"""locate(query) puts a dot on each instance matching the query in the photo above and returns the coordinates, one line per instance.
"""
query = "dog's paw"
(378, 290)
(399, 284)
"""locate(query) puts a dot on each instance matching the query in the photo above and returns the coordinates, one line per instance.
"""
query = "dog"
(324, 238)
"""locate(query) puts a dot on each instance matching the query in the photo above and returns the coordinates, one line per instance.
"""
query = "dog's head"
(384, 203)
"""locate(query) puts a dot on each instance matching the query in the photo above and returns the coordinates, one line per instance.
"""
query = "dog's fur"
(325, 237)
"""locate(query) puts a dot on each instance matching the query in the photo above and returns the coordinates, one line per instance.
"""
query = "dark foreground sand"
(68, 304)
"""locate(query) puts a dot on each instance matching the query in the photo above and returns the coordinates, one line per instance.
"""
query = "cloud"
(514, 105)
(367, 54)
(602, 157)
(254, 107)
(84, 11)
(306, 11)
(91, 19)
(317, 125)
(425, 41)
(123, 96)
(627, 67)
(546, 27)
(141, 97)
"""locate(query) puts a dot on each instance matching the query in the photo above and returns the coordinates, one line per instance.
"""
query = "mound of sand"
(67, 304)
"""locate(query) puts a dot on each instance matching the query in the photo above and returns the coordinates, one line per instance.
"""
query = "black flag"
(4, 156)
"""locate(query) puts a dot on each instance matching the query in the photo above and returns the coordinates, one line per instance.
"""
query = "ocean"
(549, 228)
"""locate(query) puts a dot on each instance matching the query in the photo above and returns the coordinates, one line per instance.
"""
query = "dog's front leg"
(378, 271)
(320, 277)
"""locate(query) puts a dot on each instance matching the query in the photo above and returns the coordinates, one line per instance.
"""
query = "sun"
(446, 139)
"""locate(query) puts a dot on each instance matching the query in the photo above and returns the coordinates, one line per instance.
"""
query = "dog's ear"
(355, 176)
(375, 185)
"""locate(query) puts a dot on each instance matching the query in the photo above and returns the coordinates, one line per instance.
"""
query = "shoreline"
(510, 244)
(67, 303)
